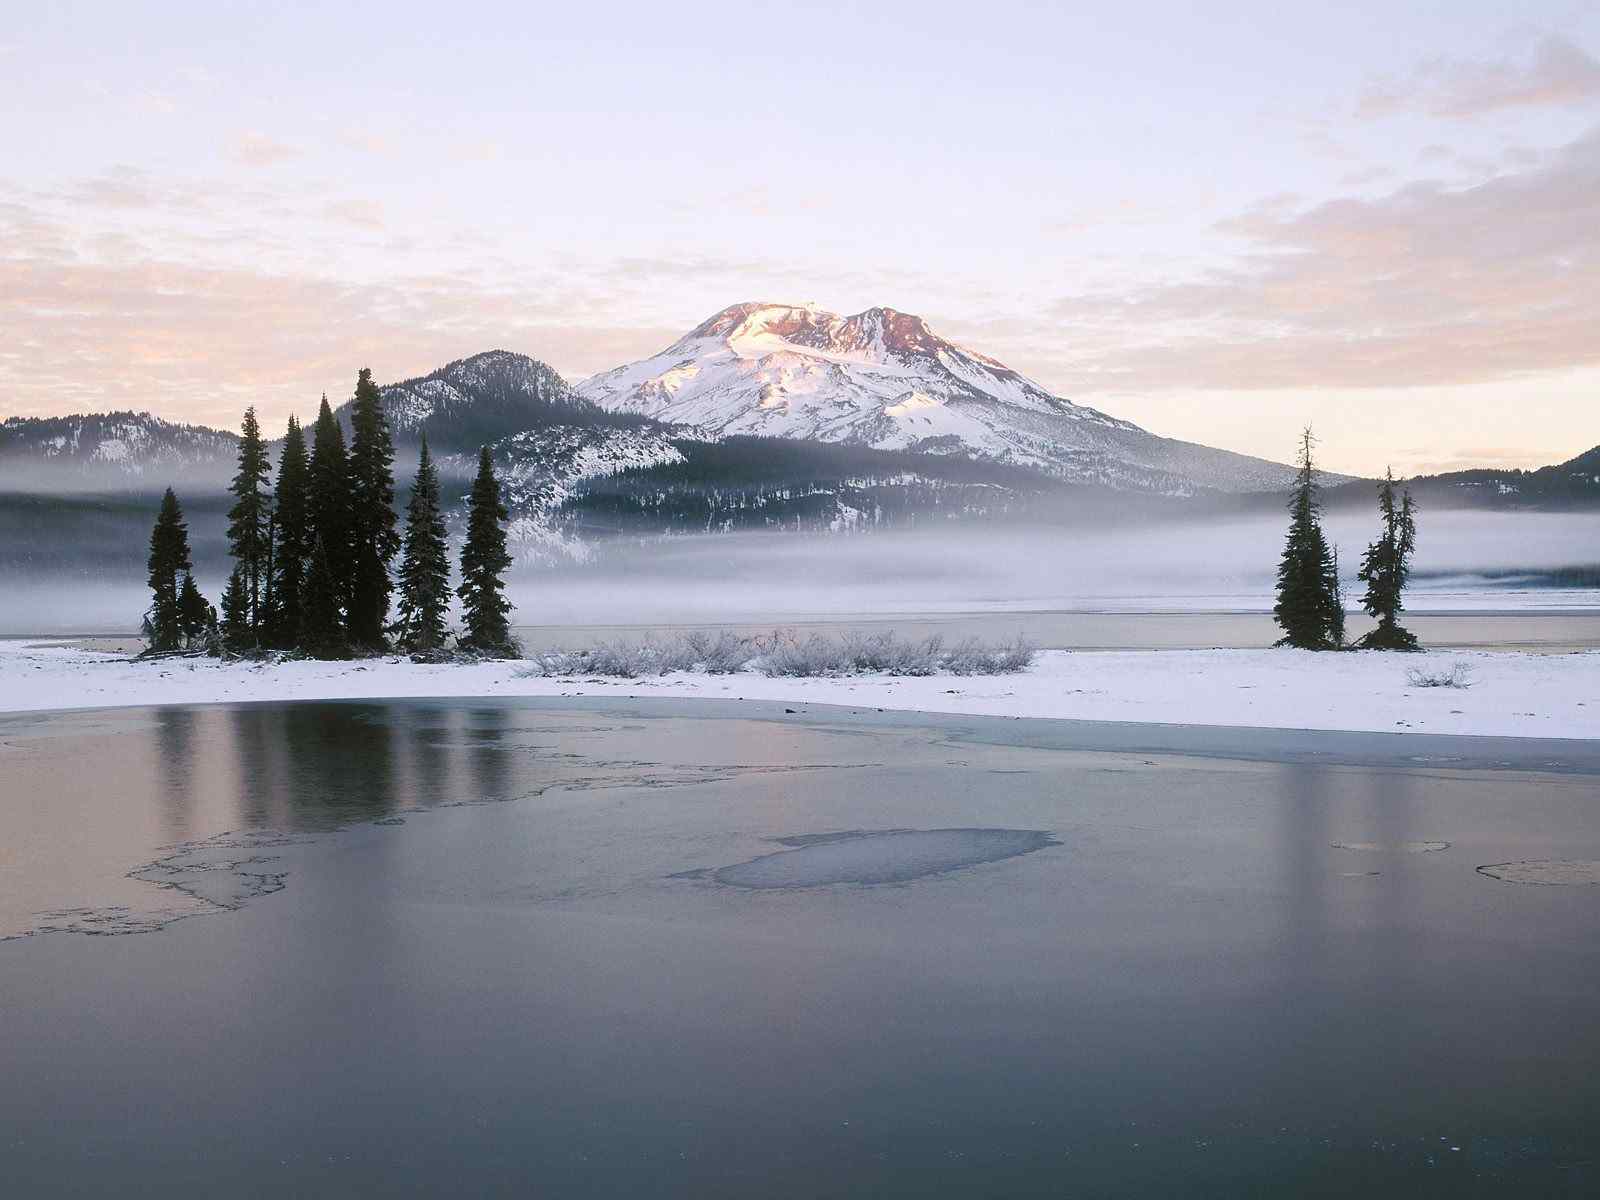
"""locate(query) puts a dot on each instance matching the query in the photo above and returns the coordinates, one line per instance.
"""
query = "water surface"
(488, 952)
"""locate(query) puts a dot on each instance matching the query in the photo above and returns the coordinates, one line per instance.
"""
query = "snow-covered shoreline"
(1512, 695)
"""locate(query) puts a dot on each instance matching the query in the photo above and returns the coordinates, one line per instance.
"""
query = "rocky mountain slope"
(109, 451)
(884, 379)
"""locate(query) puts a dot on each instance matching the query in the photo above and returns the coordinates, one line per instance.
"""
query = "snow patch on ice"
(888, 856)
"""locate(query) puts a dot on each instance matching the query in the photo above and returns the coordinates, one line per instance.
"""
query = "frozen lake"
(691, 948)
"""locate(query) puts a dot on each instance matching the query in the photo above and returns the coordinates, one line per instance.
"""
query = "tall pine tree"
(1308, 608)
(372, 525)
(328, 502)
(169, 558)
(249, 535)
(424, 566)
(237, 636)
(1386, 567)
(292, 530)
(483, 563)
(322, 631)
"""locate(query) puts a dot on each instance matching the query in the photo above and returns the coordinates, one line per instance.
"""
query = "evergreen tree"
(373, 537)
(483, 562)
(237, 636)
(425, 565)
(1336, 595)
(169, 557)
(196, 617)
(1386, 567)
(328, 501)
(292, 538)
(249, 538)
(1308, 608)
(322, 632)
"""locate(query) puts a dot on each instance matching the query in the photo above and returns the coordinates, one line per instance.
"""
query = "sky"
(1221, 221)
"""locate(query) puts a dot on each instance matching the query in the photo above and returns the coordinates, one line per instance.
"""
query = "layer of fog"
(1219, 565)
(775, 577)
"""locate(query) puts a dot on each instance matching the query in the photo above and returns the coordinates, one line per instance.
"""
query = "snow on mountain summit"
(883, 378)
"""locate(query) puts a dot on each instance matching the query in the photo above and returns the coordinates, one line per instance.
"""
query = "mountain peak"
(756, 328)
(883, 378)
(480, 399)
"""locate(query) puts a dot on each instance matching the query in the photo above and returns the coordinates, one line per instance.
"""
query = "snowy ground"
(1512, 694)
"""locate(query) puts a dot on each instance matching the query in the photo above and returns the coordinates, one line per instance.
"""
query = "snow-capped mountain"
(882, 378)
(117, 450)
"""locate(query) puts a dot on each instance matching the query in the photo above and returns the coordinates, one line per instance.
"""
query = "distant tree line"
(314, 552)
(1310, 601)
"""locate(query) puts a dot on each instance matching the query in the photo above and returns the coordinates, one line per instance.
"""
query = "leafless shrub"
(721, 653)
(888, 654)
(785, 653)
(620, 659)
(1456, 675)
(972, 657)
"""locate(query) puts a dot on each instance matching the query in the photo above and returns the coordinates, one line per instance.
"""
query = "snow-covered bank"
(1514, 695)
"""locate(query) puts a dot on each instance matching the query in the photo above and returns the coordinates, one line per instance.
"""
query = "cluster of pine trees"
(314, 551)
(1310, 604)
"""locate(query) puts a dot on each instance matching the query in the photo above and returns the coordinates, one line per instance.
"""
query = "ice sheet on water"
(1544, 871)
(884, 856)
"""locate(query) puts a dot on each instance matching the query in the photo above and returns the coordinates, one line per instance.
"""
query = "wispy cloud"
(118, 329)
(1427, 284)
(1558, 72)
(363, 214)
(259, 150)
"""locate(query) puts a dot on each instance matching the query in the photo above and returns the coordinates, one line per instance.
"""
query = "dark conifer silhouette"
(1385, 568)
(197, 620)
(483, 563)
(424, 567)
(292, 538)
(1308, 608)
(372, 519)
(1336, 597)
(249, 534)
(169, 558)
(322, 631)
(328, 501)
(237, 636)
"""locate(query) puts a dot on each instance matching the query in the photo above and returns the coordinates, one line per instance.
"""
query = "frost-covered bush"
(888, 654)
(1456, 675)
(785, 653)
(621, 659)
(720, 653)
(713, 654)
(972, 657)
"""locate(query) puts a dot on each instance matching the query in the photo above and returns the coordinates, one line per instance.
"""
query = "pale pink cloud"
(259, 150)
(1428, 284)
(1558, 73)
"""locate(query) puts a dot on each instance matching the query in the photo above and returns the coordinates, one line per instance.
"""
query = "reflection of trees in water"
(316, 766)
(489, 754)
(342, 766)
(430, 733)
(175, 769)
(261, 751)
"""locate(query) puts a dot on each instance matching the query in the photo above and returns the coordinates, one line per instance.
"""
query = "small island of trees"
(1310, 604)
(313, 554)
